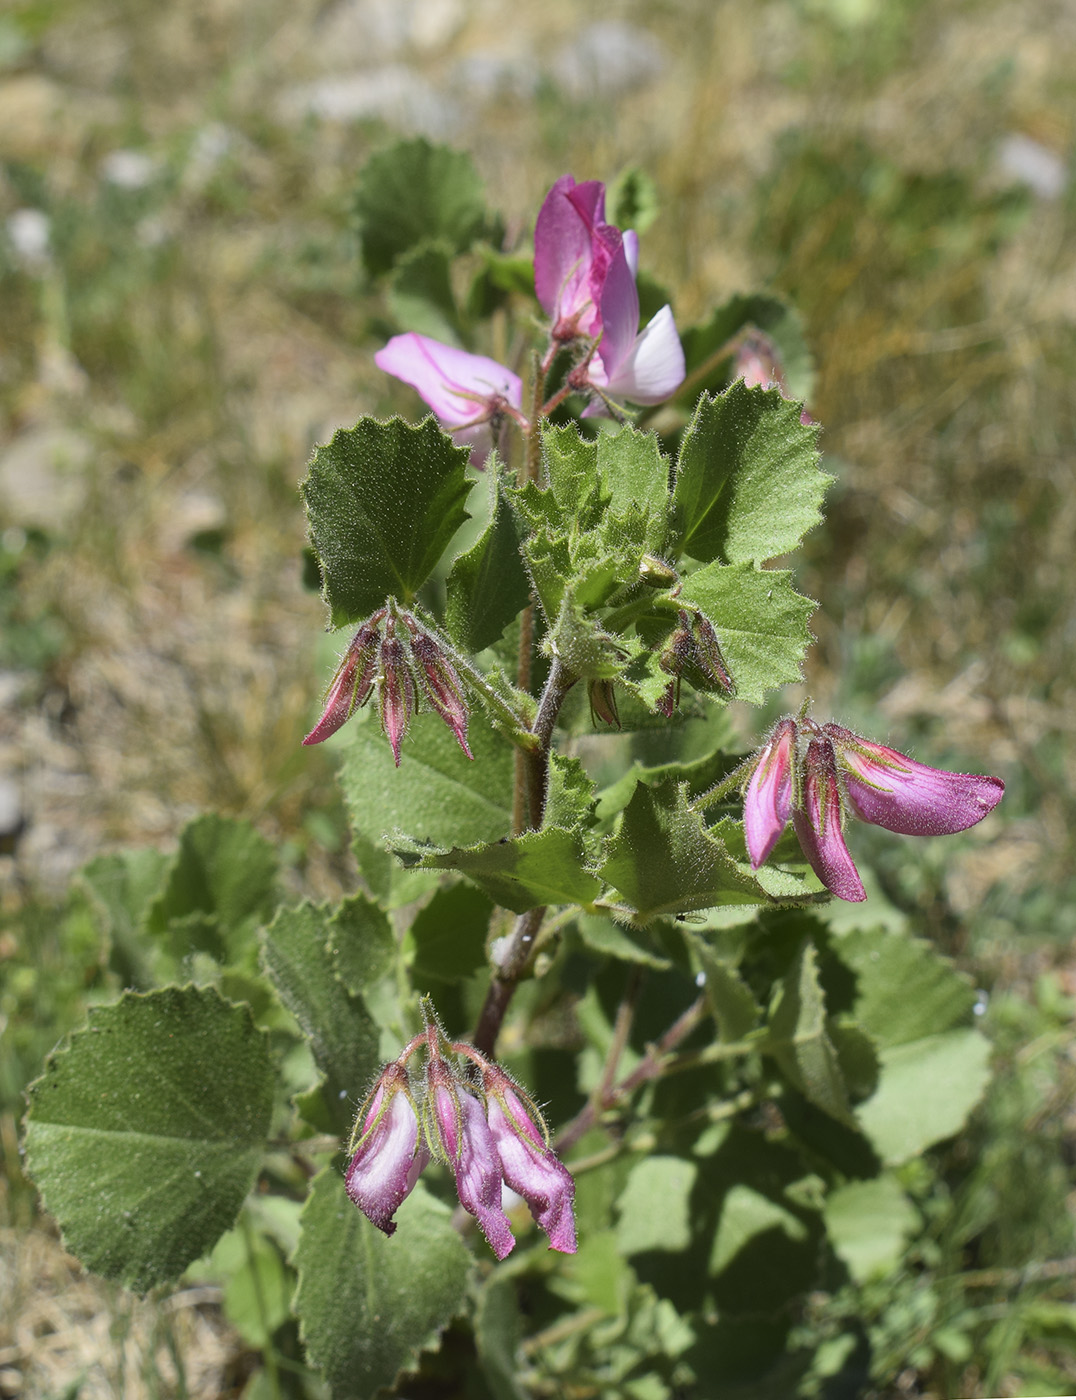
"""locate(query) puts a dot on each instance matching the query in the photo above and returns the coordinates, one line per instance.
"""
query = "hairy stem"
(516, 952)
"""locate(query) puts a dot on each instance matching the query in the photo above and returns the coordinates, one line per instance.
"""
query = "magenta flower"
(469, 393)
(841, 773)
(467, 1142)
(645, 366)
(573, 247)
(530, 1166)
(768, 798)
(891, 790)
(351, 686)
(390, 1155)
(818, 823)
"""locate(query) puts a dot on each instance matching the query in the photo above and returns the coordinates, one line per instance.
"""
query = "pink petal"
(654, 368)
(818, 825)
(389, 1159)
(479, 1176)
(563, 249)
(768, 799)
(457, 385)
(893, 791)
(535, 1173)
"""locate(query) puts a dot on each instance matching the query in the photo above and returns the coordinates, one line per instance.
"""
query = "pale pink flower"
(390, 1155)
(531, 1167)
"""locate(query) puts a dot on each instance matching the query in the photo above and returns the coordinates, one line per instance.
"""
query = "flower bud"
(768, 796)
(530, 1166)
(602, 697)
(460, 1126)
(350, 687)
(396, 691)
(708, 656)
(389, 1155)
(441, 683)
(818, 823)
(679, 652)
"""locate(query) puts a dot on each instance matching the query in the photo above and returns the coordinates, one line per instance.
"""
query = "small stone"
(1034, 165)
(42, 476)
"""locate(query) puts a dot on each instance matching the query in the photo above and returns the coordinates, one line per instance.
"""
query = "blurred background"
(183, 315)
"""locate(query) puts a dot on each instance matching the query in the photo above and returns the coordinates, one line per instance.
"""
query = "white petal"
(654, 368)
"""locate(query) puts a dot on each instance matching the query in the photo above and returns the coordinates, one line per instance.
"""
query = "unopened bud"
(602, 697)
(353, 682)
(655, 573)
(396, 688)
(708, 654)
(441, 683)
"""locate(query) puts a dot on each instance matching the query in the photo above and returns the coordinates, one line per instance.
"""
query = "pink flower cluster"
(584, 274)
(820, 774)
(395, 655)
(483, 1126)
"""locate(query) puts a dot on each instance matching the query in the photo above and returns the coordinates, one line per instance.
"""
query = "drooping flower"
(708, 655)
(388, 1152)
(441, 684)
(573, 247)
(470, 394)
(531, 1167)
(460, 1126)
(818, 822)
(821, 774)
(396, 692)
(768, 797)
(353, 682)
(891, 790)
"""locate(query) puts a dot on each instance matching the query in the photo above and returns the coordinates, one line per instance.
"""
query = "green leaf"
(257, 1286)
(926, 1089)
(569, 799)
(632, 200)
(904, 990)
(448, 936)
(437, 795)
(498, 1334)
(664, 861)
(868, 1223)
(488, 586)
(414, 192)
(655, 1206)
(361, 943)
(421, 296)
(798, 1039)
(383, 501)
(147, 1129)
(781, 322)
(760, 621)
(368, 1304)
(221, 885)
(343, 1039)
(122, 886)
(539, 867)
(748, 485)
(732, 1003)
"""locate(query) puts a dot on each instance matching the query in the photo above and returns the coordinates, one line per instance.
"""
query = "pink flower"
(468, 1144)
(584, 275)
(645, 366)
(758, 364)
(573, 247)
(768, 799)
(891, 790)
(468, 393)
(818, 823)
(353, 682)
(390, 1156)
(530, 1166)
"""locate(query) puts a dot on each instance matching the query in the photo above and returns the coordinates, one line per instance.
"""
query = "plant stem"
(516, 953)
(650, 1067)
